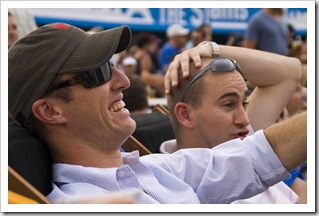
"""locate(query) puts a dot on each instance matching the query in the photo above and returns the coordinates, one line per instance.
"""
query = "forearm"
(299, 186)
(289, 140)
(264, 69)
(153, 80)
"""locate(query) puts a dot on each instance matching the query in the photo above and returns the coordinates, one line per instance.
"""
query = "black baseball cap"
(53, 49)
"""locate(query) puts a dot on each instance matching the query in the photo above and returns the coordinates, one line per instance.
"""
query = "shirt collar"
(168, 147)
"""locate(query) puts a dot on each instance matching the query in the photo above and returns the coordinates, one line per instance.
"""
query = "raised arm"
(289, 140)
(275, 76)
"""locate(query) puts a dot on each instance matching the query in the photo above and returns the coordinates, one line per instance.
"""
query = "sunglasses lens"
(222, 65)
(98, 76)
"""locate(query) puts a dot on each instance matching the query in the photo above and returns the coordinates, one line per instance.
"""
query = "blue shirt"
(167, 54)
(270, 35)
(235, 170)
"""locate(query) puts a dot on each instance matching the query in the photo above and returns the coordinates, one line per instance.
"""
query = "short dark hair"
(143, 39)
(201, 31)
(136, 96)
(192, 96)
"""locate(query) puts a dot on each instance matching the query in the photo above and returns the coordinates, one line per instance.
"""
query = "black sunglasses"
(220, 64)
(87, 79)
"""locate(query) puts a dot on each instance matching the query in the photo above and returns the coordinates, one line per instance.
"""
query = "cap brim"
(96, 49)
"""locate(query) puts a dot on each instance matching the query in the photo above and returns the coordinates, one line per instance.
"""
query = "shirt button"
(121, 174)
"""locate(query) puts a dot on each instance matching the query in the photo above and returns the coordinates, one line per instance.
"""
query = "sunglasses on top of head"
(88, 79)
(220, 64)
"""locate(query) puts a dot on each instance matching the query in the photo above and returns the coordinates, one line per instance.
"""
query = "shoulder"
(258, 17)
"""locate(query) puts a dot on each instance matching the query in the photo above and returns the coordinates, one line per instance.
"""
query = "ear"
(183, 114)
(48, 112)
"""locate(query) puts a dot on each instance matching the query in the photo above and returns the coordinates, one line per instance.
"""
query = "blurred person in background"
(141, 49)
(291, 38)
(296, 43)
(129, 65)
(298, 100)
(136, 95)
(25, 20)
(12, 30)
(298, 48)
(303, 59)
(177, 37)
(207, 27)
(303, 52)
(235, 39)
(95, 29)
(267, 31)
(198, 35)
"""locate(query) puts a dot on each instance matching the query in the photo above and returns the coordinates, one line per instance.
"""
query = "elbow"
(295, 70)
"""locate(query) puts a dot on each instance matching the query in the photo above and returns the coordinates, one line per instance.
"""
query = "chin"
(132, 126)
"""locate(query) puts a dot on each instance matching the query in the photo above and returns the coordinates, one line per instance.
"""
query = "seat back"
(159, 108)
(132, 144)
(21, 191)
(152, 129)
(29, 157)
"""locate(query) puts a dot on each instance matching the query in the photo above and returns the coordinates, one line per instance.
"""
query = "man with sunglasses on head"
(211, 106)
(64, 90)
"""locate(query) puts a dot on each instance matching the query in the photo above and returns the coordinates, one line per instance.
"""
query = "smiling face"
(97, 115)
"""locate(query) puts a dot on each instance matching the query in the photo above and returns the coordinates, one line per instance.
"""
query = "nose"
(241, 119)
(119, 80)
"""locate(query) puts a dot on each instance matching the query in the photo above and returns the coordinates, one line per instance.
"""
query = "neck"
(174, 42)
(272, 12)
(187, 139)
(75, 151)
(89, 158)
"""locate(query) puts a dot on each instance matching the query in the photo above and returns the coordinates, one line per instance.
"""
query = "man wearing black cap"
(64, 90)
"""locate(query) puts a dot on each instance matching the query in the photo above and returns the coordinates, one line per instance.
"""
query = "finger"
(167, 84)
(185, 61)
(195, 57)
(172, 73)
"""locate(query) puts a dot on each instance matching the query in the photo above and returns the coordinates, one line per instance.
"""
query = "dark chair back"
(152, 129)
(29, 157)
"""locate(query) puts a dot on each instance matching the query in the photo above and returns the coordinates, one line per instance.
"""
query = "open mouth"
(242, 135)
(116, 107)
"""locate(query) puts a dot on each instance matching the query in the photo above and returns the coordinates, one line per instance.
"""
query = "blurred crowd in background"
(146, 60)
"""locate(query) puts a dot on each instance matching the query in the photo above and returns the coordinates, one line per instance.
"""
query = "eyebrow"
(233, 94)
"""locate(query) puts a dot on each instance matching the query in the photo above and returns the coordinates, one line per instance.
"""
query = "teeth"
(117, 107)
(123, 104)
